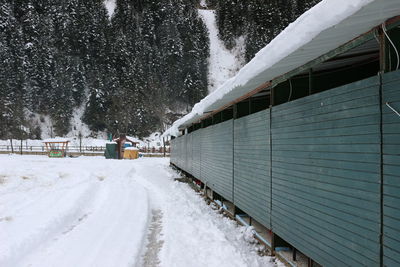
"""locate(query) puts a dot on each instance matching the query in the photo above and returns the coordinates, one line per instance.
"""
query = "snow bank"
(197, 233)
(192, 233)
(321, 17)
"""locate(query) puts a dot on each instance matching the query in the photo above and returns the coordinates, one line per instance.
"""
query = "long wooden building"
(309, 146)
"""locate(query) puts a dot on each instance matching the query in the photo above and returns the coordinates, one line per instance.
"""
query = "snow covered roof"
(111, 142)
(131, 148)
(55, 140)
(328, 25)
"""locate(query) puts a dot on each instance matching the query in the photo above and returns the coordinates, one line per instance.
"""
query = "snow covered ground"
(89, 211)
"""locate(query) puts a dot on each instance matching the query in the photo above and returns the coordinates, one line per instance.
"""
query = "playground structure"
(56, 148)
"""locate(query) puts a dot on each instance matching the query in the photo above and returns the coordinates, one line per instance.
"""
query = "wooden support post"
(249, 105)
(80, 142)
(294, 254)
(235, 111)
(382, 51)
(273, 245)
(310, 81)
(250, 221)
(276, 241)
(272, 96)
(310, 262)
(163, 140)
(12, 147)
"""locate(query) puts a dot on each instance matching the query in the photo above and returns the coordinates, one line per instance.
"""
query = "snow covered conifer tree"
(11, 73)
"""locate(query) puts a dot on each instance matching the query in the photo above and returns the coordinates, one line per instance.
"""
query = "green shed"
(111, 150)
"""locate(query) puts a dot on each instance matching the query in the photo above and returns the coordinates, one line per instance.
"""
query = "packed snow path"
(94, 212)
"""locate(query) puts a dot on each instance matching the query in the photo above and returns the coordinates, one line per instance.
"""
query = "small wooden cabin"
(310, 146)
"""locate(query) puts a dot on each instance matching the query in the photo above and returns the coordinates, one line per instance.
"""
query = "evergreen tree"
(259, 21)
(11, 74)
(133, 73)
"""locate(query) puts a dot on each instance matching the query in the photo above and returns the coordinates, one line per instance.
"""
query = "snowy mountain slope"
(110, 6)
(223, 63)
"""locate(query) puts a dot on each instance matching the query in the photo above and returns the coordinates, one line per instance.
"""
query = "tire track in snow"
(154, 243)
(154, 239)
(111, 234)
(52, 227)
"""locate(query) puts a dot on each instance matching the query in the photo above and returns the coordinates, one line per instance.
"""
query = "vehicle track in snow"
(154, 241)
(77, 216)
(43, 229)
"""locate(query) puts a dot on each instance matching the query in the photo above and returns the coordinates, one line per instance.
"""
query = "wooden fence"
(77, 150)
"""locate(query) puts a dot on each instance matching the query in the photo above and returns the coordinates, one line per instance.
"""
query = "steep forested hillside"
(259, 21)
(132, 73)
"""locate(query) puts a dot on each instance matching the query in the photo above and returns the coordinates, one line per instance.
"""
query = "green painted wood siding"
(252, 190)
(206, 151)
(173, 152)
(325, 174)
(391, 169)
(196, 153)
(326, 170)
(179, 149)
(217, 158)
(189, 153)
(178, 153)
(183, 159)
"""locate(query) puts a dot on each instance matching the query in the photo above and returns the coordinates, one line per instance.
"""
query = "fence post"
(163, 140)
(12, 148)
